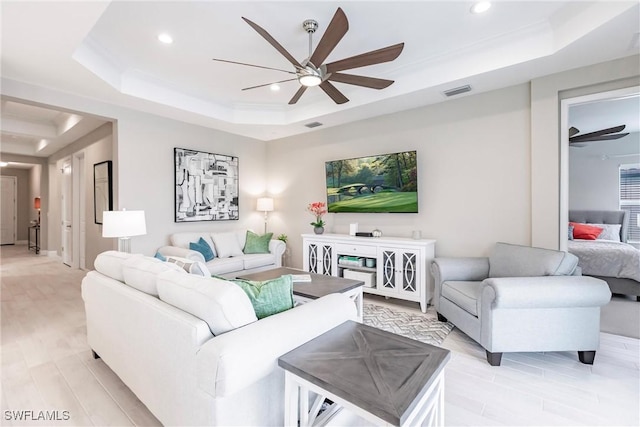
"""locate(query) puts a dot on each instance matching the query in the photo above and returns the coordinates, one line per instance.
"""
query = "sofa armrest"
(444, 269)
(182, 253)
(232, 361)
(545, 292)
(277, 247)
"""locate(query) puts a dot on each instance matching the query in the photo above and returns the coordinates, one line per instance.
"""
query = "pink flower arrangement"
(317, 209)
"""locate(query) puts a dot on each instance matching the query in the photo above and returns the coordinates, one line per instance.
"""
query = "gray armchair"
(521, 299)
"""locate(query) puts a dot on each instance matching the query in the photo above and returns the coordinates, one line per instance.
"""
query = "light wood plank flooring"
(47, 366)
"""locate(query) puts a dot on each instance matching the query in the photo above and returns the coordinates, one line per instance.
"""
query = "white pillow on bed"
(609, 231)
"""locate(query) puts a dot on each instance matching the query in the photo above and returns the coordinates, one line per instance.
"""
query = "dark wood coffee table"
(376, 375)
(319, 286)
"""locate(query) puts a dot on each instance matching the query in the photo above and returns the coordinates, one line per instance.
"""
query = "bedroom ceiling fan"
(600, 135)
(312, 72)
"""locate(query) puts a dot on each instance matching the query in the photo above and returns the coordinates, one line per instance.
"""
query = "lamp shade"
(36, 203)
(265, 204)
(123, 223)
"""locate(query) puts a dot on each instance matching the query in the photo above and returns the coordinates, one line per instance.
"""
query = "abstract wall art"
(206, 186)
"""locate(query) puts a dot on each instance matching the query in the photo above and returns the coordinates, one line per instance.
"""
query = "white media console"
(395, 267)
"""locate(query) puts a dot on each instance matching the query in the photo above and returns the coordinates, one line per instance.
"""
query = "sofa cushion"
(182, 240)
(256, 244)
(203, 247)
(140, 273)
(109, 263)
(507, 260)
(221, 304)
(227, 244)
(225, 265)
(464, 294)
(257, 260)
(270, 296)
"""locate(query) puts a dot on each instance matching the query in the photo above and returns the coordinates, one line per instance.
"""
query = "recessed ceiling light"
(480, 7)
(165, 38)
(275, 87)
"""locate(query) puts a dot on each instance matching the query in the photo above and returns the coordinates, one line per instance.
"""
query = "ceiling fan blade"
(333, 93)
(269, 84)
(584, 138)
(252, 65)
(573, 131)
(597, 133)
(337, 28)
(369, 82)
(379, 56)
(273, 42)
(298, 94)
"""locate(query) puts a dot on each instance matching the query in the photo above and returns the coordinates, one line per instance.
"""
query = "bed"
(610, 259)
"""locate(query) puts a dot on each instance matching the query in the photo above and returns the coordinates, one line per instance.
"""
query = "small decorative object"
(353, 228)
(283, 237)
(318, 209)
(364, 234)
(417, 234)
(376, 233)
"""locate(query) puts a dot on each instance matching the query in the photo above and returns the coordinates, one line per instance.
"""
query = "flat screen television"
(385, 183)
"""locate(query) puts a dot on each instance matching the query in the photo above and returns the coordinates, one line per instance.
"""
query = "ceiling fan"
(312, 71)
(600, 135)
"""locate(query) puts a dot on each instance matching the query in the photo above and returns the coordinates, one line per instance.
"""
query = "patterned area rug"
(419, 327)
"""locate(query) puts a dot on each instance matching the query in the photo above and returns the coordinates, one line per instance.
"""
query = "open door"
(67, 212)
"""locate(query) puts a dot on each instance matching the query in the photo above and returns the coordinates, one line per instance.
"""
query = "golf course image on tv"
(385, 183)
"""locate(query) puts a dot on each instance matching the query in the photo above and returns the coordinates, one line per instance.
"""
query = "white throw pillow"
(609, 231)
(140, 273)
(192, 267)
(227, 244)
(223, 305)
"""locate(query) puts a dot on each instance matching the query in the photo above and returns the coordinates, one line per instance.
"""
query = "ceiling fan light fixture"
(309, 80)
(274, 87)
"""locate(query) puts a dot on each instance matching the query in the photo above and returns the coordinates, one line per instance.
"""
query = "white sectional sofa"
(172, 361)
(229, 260)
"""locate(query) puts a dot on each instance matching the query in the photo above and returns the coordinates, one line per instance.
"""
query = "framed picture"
(206, 186)
(102, 190)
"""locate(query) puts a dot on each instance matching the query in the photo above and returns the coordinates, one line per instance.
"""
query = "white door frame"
(15, 208)
(565, 105)
(78, 210)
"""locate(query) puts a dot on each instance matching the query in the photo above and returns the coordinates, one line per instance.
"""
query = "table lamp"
(123, 225)
(265, 204)
(36, 205)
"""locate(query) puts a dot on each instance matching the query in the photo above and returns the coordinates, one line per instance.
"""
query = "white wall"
(473, 171)
(146, 173)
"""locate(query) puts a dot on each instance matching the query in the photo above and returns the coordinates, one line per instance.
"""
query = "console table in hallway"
(36, 232)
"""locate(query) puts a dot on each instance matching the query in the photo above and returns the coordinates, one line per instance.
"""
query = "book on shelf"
(301, 277)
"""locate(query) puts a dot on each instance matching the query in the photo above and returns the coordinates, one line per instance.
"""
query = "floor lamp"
(123, 225)
(265, 204)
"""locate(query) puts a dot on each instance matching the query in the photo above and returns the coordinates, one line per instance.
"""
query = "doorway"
(566, 106)
(66, 212)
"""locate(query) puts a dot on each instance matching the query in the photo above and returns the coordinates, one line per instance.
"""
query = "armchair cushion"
(465, 295)
(507, 260)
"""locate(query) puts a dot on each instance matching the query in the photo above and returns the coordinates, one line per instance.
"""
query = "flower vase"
(318, 230)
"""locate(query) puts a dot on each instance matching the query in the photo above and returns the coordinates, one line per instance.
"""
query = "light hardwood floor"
(47, 366)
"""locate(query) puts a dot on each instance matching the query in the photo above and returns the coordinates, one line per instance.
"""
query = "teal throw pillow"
(268, 297)
(257, 244)
(203, 247)
(160, 257)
